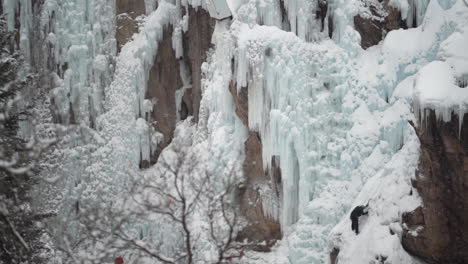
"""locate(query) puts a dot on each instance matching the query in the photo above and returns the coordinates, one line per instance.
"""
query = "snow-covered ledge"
(436, 89)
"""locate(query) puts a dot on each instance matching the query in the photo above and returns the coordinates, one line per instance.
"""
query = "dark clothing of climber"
(355, 214)
(322, 12)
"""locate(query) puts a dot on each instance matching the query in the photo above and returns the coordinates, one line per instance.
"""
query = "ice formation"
(435, 88)
(330, 113)
(81, 46)
(335, 115)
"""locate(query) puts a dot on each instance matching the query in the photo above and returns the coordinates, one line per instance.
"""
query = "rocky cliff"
(196, 43)
(165, 78)
(261, 227)
(438, 231)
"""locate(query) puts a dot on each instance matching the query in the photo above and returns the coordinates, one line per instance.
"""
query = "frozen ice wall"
(294, 105)
(337, 117)
(21, 11)
(79, 40)
(75, 40)
(120, 125)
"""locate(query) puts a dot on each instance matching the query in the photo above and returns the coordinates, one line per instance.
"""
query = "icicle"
(10, 8)
(416, 11)
(177, 41)
(79, 36)
(150, 6)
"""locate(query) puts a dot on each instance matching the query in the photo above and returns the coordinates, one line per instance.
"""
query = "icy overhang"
(218, 9)
(436, 89)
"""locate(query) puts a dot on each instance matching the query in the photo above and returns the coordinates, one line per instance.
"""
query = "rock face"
(165, 76)
(334, 255)
(261, 227)
(442, 181)
(196, 42)
(375, 27)
(241, 101)
(259, 184)
(164, 80)
(127, 11)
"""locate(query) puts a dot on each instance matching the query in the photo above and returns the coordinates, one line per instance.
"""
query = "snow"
(454, 52)
(436, 89)
(388, 195)
(127, 135)
(218, 9)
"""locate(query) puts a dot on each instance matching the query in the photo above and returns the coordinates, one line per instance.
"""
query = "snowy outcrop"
(436, 89)
(375, 19)
(437, 231)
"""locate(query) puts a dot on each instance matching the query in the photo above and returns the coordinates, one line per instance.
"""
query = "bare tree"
(190, 208)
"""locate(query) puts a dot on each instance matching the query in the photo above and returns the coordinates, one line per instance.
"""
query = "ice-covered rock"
(436, 89)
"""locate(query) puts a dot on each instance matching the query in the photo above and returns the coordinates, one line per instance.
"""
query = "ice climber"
(322, 12)
(355, 214)
(119, 260)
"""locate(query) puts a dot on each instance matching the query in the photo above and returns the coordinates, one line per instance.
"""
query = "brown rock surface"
(196, 42)
(241, 101)
(165, 75)
(164, 80)
(261, 227)
(334, 256)
(372, 31)
(442, 182)
(127, 11)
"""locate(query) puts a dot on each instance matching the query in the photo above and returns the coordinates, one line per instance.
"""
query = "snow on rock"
(436, 89)
(124, 103)
(363, 118)
(454, 52)
(404, 90)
